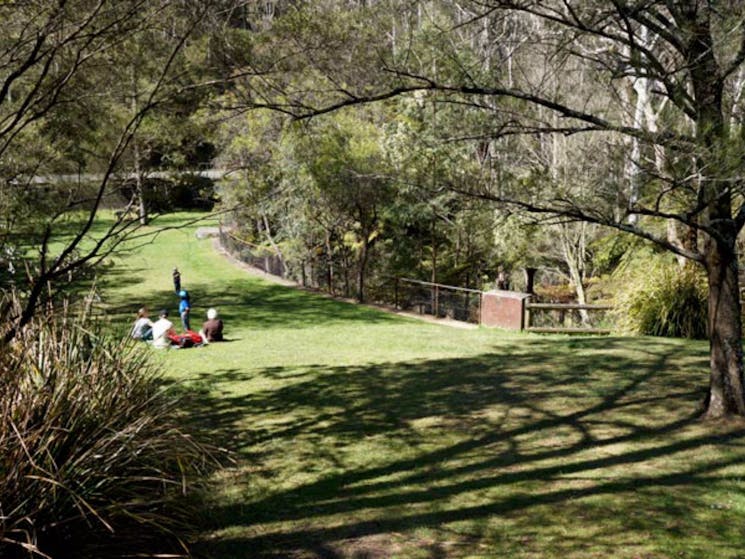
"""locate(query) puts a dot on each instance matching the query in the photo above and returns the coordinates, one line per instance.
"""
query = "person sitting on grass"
(212, 329)
(143, 327)
(161, 330)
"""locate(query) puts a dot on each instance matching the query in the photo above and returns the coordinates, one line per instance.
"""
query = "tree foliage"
(652, 88)
(81, 86)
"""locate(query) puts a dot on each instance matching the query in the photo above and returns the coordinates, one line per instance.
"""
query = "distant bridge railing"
(439, 300)
(214, 174)
(567, 318)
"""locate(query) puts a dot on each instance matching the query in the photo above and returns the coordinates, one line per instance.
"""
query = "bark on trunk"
(139, 183)
(140, 187)
(329, 263)
(361, 271)
(726, 395)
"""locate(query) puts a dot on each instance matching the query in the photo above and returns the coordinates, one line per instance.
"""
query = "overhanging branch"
(574, 213)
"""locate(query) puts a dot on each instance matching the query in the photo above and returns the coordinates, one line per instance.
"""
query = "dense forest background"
(384, 156)
(454, 142)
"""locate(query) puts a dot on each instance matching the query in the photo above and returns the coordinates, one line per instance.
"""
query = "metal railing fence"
(567, 318)
(257, 256)
(440, 300)
(436, 299)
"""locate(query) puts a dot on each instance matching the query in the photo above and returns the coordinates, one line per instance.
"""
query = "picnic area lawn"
(362, 434)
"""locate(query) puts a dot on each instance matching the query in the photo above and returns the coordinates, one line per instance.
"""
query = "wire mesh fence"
(442, 301)
(257, 256)
(435, 299)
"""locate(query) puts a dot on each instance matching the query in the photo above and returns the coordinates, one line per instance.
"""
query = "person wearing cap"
(212, 329)
(184, 307)
(161, 329)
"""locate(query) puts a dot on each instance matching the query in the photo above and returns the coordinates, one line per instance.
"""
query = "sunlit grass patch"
(362, 434)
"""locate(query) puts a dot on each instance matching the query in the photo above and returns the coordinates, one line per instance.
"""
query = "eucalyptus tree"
(452, 235)
(343, 156)
(660, 81)
(264, 206)
(316, 194)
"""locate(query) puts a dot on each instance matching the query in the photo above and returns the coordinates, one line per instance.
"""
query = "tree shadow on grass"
(253, 302)
(385, 453)
(113, 276)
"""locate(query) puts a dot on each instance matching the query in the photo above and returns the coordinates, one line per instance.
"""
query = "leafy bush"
(91, 453)
(659, 298)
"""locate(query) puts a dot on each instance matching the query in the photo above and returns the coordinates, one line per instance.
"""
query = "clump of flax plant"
(93, 459)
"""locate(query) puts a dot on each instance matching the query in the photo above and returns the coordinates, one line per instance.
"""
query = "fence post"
(529, 279)
(478, 307)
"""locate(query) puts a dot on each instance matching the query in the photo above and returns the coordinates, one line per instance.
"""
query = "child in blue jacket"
(184, 307)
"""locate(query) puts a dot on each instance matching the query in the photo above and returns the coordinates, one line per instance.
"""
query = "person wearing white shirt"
(161, 329)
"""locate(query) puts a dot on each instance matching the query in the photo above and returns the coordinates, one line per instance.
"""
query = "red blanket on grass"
(187, 339)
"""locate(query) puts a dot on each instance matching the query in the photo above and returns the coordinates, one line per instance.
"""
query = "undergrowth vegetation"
(659, 298)
(93, 460)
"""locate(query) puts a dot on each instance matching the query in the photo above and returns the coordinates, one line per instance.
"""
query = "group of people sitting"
(162, 333)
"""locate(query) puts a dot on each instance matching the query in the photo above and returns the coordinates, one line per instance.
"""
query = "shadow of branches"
(255, 302)
(453, 455)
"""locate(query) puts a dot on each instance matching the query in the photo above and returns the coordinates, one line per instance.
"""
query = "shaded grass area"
(364, 435)
(515, 453)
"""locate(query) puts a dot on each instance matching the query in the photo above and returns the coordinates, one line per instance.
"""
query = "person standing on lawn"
(176, 280)
(184, 308)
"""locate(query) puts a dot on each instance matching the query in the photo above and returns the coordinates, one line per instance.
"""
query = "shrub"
(91, 453)
(659, 298)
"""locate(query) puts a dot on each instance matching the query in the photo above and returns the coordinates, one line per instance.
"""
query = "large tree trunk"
(139, 183)
(573, 239)
(329, 262)
(726, 395)
(275, 247)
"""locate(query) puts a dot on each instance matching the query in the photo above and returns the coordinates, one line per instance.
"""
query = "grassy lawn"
(360, 434)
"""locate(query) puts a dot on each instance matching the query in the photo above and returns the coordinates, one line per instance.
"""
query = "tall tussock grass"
(662, 299)
(93, 459)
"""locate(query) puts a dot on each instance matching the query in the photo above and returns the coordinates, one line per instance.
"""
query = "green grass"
(360, 434)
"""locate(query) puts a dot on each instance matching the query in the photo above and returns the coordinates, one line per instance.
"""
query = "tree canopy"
(448, 139)
(643, 98)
